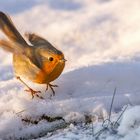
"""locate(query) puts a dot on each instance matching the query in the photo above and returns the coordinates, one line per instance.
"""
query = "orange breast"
(49, 74)
(56, 72)
(40, 77)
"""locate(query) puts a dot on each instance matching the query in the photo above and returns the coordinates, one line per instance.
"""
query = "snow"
(128, 129)
(130, 121)
(100, 40)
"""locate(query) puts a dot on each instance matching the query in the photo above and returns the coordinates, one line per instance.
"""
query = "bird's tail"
(16, 41)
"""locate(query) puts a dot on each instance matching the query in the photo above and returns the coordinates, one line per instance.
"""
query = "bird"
(38, 61)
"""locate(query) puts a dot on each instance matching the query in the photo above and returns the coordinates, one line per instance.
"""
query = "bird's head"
(51, 59)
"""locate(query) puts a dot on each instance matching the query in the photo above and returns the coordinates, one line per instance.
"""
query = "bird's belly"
(24, 68)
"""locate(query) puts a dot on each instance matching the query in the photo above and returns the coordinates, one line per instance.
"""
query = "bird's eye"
(50, 58)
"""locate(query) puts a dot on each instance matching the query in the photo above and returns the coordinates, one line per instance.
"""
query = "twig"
(43, 117)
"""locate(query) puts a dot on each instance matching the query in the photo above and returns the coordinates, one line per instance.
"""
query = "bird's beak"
(63, 60)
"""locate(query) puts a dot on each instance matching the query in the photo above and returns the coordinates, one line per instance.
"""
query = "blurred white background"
(88, 31)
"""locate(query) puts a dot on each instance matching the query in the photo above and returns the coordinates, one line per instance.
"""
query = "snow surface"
(100, 40)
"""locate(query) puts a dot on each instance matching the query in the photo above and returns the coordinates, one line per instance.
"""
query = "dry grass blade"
(120, 115)
(112, 101)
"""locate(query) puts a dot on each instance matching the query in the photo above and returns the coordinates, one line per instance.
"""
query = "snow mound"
(102, 48)
(130, 124)
(84, 91)
(129, 128)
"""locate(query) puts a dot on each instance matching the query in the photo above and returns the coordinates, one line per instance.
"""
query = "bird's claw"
(51, 87)
(34, 93)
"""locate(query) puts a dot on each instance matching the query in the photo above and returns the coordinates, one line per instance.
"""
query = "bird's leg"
(33, 92)
(51, 87)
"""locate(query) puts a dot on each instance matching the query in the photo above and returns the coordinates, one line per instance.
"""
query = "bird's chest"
(50, 73)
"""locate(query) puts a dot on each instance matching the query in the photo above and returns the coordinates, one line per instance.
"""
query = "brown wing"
(6, 46)
(35, 39)
(12, 47)
(10, 30)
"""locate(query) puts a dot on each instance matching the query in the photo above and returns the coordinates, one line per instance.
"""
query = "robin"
(39, 62)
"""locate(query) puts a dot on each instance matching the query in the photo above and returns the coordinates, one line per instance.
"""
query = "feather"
(35, 39)
(6, 46)
(10, 30)
(11, 47)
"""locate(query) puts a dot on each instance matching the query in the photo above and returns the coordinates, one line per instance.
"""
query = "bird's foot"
(34, 93)
(51, 87)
